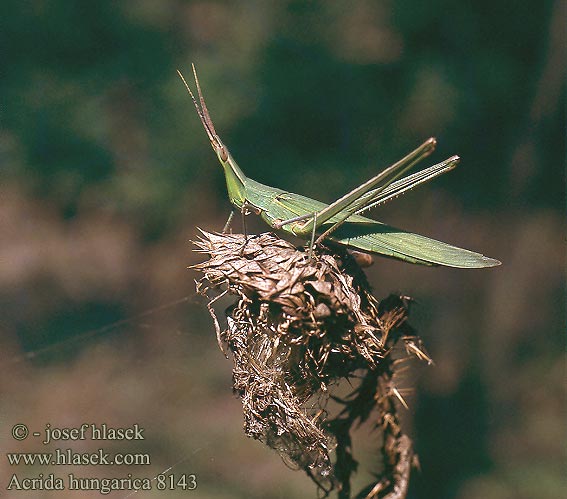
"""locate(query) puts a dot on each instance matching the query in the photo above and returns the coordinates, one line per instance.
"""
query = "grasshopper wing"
(376, 237)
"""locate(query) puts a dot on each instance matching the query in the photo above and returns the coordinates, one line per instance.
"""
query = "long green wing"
(376, 237)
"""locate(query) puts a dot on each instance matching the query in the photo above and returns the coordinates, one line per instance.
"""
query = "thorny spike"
(400, 398)
(418, 352)
(406, 391)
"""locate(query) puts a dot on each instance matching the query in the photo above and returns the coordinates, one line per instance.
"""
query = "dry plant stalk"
(298, 326)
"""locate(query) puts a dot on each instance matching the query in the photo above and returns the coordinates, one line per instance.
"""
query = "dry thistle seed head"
(299, 325)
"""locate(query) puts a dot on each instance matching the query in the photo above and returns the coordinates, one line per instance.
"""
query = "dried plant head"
(297, 327)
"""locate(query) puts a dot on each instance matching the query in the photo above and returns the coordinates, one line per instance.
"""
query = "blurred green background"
(106, 172)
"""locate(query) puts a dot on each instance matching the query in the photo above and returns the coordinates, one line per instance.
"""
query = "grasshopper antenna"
(202, 101)
(202, 110)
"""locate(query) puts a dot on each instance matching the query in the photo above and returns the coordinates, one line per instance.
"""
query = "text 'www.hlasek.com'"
(72, 454)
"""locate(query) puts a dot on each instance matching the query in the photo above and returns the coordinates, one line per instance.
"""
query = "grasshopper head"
(216, 143)
(219, 148)
(235, 179)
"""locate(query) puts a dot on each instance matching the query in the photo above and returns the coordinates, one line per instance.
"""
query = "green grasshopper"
(341, 222)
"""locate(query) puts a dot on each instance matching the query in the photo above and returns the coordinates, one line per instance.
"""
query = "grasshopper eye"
(222, 152)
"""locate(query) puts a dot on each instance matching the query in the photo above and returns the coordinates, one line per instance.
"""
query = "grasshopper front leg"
(228, 222)
(245, 210)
